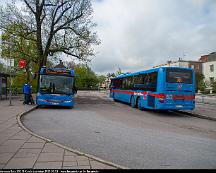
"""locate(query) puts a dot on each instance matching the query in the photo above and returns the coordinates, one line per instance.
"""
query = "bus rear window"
(179, 76)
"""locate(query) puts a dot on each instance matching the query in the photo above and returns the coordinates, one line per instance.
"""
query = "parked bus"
(164, 88)
(56, 87)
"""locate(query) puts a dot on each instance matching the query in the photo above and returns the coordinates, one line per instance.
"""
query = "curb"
(197, 115)
(62, 146)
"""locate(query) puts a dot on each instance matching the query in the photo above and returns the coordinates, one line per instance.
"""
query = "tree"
(58, 26)
(214, 86)
(2, 68)
(200, 83)
(101, 79)
(16, 47)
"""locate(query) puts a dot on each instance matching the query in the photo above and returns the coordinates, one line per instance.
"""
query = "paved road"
(129, 137)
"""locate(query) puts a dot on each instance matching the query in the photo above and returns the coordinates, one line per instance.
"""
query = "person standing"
(27, 92)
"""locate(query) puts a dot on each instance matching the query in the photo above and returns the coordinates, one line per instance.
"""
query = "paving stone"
(79, 158)
(33, 145)
(70, 164)
(27, 153)
(70, 158)
(4, 157)
(50, 148)
(13, 142)
(8, 149)
(21, 135)
(70, 167)
(109, 167)
(48, 165)
(50, 157)
(83, 163)
(69, 153)
(83, 167)
(97, 165)
(35, 139)
(21, 163)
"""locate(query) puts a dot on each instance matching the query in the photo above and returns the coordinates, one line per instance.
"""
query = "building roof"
(212, 56)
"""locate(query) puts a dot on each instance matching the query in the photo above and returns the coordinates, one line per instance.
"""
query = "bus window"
(146, 82)
(117, 83)
(179, 76)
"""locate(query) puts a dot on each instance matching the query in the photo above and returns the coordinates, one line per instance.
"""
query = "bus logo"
(179, 86)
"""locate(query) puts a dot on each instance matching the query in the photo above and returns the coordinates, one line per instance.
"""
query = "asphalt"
(22, 149)
(136, 139)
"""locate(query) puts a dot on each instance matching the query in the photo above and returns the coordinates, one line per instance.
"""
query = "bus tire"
(132, 102)
(139, 105)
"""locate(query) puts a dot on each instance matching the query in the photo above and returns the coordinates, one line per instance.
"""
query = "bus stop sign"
(22, 63)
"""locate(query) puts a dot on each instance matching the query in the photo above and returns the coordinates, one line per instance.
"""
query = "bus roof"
(147, 71)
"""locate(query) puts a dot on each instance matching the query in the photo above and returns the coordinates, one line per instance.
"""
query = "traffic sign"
(22, 63)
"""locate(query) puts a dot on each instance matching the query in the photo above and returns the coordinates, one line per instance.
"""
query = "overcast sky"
(138, 34)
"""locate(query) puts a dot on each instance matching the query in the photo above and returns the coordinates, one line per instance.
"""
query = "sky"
(139, 34)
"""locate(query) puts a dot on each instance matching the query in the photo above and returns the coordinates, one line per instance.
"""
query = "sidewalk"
(204, 110)
(20, 149)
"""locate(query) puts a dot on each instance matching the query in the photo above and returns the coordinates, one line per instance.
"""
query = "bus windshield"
(179, 76)
(56, 84)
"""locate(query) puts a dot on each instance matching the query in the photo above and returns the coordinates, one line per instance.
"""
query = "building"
(206, 65)
(209, 68)
(196, 65)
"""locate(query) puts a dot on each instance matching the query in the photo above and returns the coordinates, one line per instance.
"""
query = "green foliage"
(101, 78)
(214, 86)
(2, 68)
(16, 47)
(85, 77)
(200, 83)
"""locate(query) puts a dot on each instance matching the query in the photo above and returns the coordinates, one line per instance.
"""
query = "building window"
(192, 66)
(211, 68)
(211, 79)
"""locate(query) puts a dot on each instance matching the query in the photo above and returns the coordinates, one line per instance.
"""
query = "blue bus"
(56, 87)
(164, 88)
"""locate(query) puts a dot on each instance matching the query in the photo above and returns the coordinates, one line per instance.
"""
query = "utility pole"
(10, 92)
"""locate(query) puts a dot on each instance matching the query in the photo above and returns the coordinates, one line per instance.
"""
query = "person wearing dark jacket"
(27, 93)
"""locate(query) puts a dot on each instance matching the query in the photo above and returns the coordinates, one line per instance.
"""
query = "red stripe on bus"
(161, 95)
(123, 91)
(185, 97)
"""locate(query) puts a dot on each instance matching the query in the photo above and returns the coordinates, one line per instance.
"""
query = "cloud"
(138, 34)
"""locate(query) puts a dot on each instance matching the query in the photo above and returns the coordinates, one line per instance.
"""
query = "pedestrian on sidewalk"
(27, 93)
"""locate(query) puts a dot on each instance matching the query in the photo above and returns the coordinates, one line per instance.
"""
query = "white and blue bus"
(164, 88)
(56, 87)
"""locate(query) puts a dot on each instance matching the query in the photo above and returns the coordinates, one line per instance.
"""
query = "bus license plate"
(179, 106)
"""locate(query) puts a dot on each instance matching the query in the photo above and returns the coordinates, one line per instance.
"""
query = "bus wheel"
(139, 105)
(132, 102)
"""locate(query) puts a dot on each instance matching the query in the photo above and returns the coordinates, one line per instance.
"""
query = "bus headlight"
(67, 101)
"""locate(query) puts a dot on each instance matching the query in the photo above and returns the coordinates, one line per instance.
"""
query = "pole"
(10, 92)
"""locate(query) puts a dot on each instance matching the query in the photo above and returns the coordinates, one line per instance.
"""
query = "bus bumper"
(40, 101)
(175, 107)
